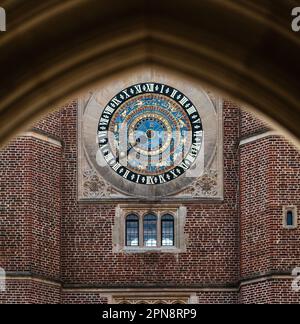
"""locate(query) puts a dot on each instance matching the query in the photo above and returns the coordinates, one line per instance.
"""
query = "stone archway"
(53, 50)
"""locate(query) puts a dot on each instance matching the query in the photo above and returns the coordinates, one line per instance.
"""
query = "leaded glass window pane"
(132, 230)
(290, 218)
(167, 230)
(150, 230)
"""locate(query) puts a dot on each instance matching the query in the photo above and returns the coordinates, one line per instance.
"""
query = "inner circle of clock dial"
(150, 134)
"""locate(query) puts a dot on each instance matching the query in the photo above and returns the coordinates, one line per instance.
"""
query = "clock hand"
(140, 140)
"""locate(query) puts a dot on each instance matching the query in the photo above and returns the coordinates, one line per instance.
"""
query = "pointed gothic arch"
(53, 50)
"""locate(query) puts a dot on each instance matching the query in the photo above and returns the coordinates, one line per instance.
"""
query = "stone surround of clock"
(150, 135)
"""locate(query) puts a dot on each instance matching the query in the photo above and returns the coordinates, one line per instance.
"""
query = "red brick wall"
(46, 209)
(254, 208)
(15, 190)
(282, 293)
(17, 292)
(30, 222)
(47, 233)
(271, 291)
(74, 297)
(50, 124)
(218, 297)
(284, 190)
(250, 125)
(45, 293)
(212, 254)
(27, 291)
(256, 293)
(269, 177)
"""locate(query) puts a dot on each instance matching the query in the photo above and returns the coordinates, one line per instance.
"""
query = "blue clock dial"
(150, 133)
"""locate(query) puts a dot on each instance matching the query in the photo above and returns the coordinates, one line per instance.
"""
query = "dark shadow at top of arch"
(54, 49)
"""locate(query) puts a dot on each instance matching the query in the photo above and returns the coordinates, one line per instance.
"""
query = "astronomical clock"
(150, 135)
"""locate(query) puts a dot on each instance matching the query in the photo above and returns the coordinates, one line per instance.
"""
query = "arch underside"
(53, 50)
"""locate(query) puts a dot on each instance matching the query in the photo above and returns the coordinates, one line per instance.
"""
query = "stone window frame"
(119, 228)
(294, 210)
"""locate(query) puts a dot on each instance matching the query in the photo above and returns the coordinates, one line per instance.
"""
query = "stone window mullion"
(141, 230)
(159, 234)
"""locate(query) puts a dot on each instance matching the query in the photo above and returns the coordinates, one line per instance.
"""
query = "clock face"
(150, 134)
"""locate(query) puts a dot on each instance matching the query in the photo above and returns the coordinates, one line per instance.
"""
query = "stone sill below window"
(294, 227)
(151, 250)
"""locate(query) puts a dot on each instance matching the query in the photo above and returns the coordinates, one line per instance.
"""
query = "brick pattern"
(17, 292)
(254, 208)
(15, 195)
(87, 253)
(50, 124)
(28, 291)
(269, 180)
(83, 298)
(30, 228)
(218, 297)
(266, 246)
(282, 293)
(269, 292)
(46, 209)
(44, 293)
(284, 190)
(250, 125)
(46, 231)
(256, 293)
